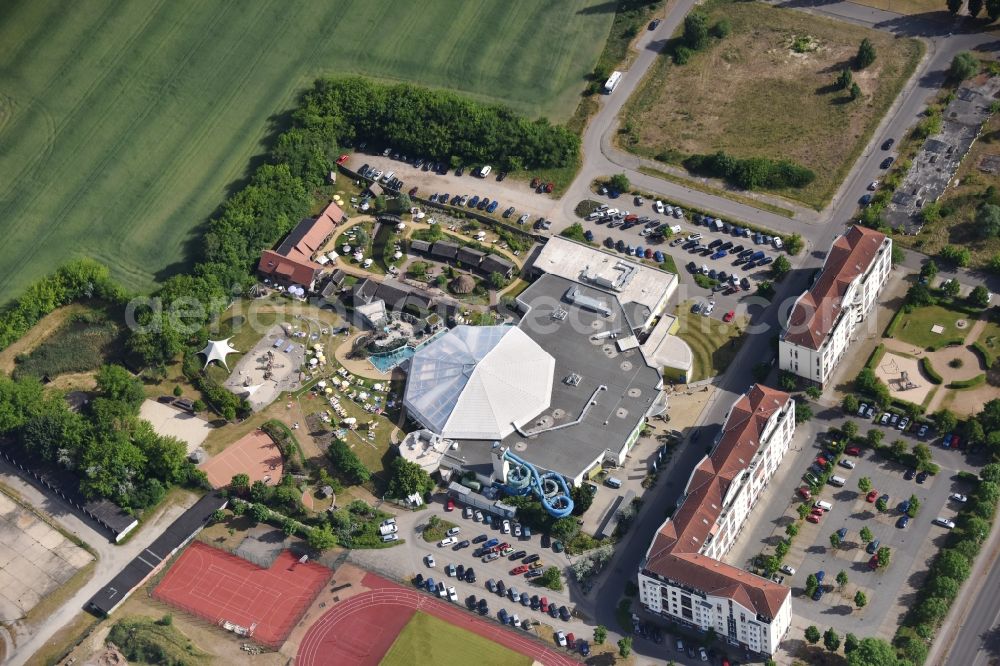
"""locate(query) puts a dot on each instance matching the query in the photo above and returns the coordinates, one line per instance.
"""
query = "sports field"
(123, 123)
(434, 641)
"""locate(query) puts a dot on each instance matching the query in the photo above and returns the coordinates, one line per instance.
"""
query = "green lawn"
(713, 343)
(916, 326)
(427, 640)
(124, 124)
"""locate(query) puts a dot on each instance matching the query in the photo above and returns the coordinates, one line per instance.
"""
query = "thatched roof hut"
(463, 284)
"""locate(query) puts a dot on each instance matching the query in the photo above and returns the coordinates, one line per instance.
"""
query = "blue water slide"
(550, 487)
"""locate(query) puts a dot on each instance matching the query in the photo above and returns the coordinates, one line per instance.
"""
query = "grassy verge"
(627, 25)
(429, 640)
(752, 94)
(436, 529)
(713, 342)
(668, 264)
(715, 191)
(65, 640)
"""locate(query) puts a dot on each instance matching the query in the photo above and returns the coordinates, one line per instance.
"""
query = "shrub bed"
(932, 374)
(876, 356)
(968, 383)
(890, 330)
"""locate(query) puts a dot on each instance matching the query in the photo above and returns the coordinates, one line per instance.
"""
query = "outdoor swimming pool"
(385, 363)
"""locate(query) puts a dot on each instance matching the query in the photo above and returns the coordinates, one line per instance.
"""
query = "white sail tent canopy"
(217, 350)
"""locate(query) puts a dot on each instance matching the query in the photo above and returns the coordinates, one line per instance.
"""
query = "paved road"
(110, 557)
(969, 637)
(943, 40)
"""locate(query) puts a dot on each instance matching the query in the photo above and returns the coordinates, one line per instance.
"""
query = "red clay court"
(216, 586)
(360, 630)
(255, 454)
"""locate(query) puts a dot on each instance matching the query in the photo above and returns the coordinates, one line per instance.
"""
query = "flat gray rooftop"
(632, 385)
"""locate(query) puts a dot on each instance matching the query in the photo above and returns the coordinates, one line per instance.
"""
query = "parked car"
(871, 496)
(903, 521)
(958, 497)
(853, 451)
(944, 522)
(872, 546)
(887, 144)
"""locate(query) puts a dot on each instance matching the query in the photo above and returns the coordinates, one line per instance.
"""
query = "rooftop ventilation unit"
(559, 313)
(573, 379)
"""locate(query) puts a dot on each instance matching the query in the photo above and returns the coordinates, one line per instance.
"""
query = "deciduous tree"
(831, 640)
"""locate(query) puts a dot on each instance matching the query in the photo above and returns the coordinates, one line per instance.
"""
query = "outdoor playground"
(385, 622)
(261, 604)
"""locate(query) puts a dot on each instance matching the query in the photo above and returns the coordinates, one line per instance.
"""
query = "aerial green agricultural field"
(122, 124)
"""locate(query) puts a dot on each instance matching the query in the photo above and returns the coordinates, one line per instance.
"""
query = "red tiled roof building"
(682, 577)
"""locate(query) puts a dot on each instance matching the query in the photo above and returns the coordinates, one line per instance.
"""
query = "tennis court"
(262, 604)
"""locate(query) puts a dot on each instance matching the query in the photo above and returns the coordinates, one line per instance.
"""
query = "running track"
(360, 630)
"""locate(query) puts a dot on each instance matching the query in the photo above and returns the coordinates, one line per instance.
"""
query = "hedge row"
(285, 440)
(954, 342)
(950, 567)
(984, 353)
(968, 383)
(876, 356)
(932, 374)
(890, 330)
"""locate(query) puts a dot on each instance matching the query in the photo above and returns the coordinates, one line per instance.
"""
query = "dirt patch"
(753, 95)
(174, 423)
(255, 454)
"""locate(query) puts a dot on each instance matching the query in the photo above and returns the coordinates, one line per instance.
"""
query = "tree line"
(975, 7)
(334, 113)
(79, 280)
(751, 173)
(115, 454)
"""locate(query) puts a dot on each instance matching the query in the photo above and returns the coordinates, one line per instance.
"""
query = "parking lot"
(406, 561)
(508, 192)
(891, 590)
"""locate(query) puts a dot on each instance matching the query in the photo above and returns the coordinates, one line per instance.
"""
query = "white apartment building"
(824, 318)
(682, 577)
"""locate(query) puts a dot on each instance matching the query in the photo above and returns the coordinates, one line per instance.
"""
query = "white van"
(838, 481)
(820, 504)
(485, 170)
(676, 229)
